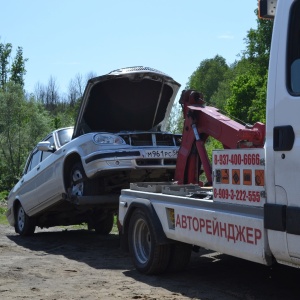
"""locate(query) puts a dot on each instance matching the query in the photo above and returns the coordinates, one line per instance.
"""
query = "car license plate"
(161, 153)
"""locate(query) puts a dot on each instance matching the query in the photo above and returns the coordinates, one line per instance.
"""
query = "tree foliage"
(208, 75)
(258, 44)
(22, 124)
(248, 89)
(5, 52)
(247, 102)
(175, 122)
(18, 70)
(14, 72)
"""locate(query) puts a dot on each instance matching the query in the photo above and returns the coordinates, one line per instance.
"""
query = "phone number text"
(240, 195)
(237, 159)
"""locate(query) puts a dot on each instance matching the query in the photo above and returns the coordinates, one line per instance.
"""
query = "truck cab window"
(293, 51)
(295, 76)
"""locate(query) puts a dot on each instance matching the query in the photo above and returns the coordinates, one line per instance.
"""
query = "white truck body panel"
(231, 223)
(224, 224)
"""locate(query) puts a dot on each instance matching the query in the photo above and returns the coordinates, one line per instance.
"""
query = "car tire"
(105, 225)
(80, 185)
(147, 255)
(24, 225)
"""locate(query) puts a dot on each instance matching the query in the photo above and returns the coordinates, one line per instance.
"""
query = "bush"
(3, 196)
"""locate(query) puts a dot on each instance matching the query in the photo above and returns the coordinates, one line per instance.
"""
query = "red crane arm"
(202, 121)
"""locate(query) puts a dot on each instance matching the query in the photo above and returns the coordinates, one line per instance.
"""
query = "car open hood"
(127, 99)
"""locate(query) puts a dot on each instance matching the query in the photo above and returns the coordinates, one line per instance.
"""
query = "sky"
(64, 38)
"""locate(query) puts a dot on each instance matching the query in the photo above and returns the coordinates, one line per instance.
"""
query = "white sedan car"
(75, 174)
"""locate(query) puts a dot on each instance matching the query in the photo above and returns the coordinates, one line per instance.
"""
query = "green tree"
(247, 97)
(247, 102)
(5, 52)
(207, 76)
(22, 123)
(16, 71)
(258, 44)
(175, 122)
(257, 111)
(223, 91)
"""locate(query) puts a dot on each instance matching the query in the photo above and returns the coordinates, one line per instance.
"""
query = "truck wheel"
(80, 185)
(104, 226)
(24, 225)
(148, 256)
(179, 257)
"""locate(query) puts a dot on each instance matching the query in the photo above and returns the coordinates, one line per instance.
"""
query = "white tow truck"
(251, 206)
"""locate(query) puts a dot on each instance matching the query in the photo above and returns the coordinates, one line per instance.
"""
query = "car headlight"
(101, 139)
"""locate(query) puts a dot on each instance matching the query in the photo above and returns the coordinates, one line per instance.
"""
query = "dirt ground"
(79, 264)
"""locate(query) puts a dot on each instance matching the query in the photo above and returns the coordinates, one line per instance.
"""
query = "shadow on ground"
(208, 271)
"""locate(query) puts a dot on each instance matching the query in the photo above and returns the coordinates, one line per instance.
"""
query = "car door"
(286, 132)
(27, 184)
(49, 184)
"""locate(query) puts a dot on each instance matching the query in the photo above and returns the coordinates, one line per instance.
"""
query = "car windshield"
(65, 136)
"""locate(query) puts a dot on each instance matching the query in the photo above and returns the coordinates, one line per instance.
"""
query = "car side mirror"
(45, 146)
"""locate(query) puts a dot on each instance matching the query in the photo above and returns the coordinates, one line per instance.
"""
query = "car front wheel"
(80, 185)
(24, 225)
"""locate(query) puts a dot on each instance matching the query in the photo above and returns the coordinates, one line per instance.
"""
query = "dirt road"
(78, 264)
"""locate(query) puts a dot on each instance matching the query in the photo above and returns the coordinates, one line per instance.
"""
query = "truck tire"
(105, 225)
(179, 257)
(24, 225)
(147, 255)
(80, 185)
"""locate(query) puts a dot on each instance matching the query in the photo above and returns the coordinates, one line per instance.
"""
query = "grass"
(84, 226)
(3, 219)
(3, 206)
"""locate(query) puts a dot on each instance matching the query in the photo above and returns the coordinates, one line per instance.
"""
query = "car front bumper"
(98, 162)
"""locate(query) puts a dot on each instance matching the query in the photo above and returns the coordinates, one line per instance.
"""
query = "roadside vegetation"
(3, 196)
(26, 117)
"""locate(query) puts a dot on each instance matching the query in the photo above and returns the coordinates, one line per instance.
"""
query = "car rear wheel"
(24, 225)
(105, 225)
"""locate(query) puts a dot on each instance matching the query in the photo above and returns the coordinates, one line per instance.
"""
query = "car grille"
(152, 139)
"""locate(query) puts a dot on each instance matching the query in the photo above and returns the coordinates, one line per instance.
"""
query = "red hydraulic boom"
(202, 121)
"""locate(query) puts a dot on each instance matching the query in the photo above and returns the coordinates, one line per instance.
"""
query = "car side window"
(293, 57)
(45, 154)
(34, 160)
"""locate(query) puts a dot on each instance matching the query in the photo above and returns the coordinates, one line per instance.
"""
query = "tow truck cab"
(282, 145)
